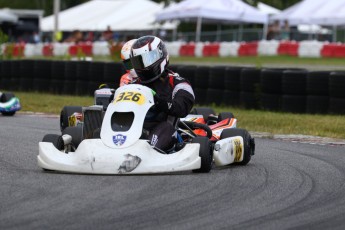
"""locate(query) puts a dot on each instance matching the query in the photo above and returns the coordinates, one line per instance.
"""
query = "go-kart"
(9, 104)
(110, 141)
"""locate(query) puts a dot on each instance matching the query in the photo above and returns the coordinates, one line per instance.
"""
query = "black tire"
(250, 80)
(214, 96)
(205, 153)
(294, 82)
(216, 78)
(294, 103)
(5, 97)
(337, 105)
(202, 74)
(271, 81)
(76, 133)
(65, 113)
(317, 104)
(225, 115)
(231, 98)
(248, 142)
(200, 96)
(271, 102)
(318, 83)
(204, 111)
(337, 84)
(55, 139)
(232, 78)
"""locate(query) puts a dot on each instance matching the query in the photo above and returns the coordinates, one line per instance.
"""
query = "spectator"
(107, 35)
(285, 31)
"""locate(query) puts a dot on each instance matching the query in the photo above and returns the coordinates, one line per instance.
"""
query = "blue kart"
(9, 104)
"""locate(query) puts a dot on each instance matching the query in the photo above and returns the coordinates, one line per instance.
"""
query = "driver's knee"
(163, 136)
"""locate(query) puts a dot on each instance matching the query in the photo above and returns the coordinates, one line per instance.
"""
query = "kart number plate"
(130, 96)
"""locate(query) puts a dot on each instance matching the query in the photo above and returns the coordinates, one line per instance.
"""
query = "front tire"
(55, 139)
(205, 153)
(248, 142)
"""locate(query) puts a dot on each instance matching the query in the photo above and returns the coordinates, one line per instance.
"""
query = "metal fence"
(248, 35)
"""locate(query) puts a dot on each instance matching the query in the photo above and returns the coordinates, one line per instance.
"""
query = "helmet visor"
(128, 64)
(146, 59)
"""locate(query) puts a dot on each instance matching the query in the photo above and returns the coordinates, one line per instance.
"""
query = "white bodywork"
(123, 152)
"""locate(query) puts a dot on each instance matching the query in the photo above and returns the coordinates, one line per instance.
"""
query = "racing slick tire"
(65, 113)
(248, 142)
(205, 153)
(76, 132)
(55, 139)
(204, 111)
(225, 115)
(4, 98)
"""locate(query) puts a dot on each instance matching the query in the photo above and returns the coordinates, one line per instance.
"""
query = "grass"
(253, 120)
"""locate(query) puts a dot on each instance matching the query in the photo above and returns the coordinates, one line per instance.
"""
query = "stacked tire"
(6, 74)
(215, 85)
(187, 72)
(26, 75)
(318, 92)
(337, 92)
(202, 74)
(57, 77)
(42, 75)
(250, 88)
(112, 74)
(15, 75)
(294, 97)
(70, 80)
(96, 76)
(83, 78)
(232, 89)
(271, 89)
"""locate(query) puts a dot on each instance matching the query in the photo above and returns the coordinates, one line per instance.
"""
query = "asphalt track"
(285, 186)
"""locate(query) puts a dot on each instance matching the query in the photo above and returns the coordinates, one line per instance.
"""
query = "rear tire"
(55, 139)
(65, 113)
(248, 142)
(225, 115)
(205, 153)
(204, 111)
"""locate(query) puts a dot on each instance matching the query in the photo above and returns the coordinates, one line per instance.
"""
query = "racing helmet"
(126, 55)
(150, 58)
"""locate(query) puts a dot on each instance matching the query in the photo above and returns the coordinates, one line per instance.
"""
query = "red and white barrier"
(314, 49)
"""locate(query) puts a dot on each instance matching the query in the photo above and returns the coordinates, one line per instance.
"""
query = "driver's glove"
(162, 104)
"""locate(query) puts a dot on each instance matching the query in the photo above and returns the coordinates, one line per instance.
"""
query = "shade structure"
(7, 16)
(97, 15)
(218, 11)
(320, 12)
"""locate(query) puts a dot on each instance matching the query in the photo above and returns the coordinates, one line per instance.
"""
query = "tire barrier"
(337, 92)
(250, 88)
(272, 89)
(318, 92)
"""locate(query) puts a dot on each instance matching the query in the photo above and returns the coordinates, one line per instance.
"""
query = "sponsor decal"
(154, 140)
(129, 164)
(130, 96)
(119, 139)
(72, 121)
(238, 149)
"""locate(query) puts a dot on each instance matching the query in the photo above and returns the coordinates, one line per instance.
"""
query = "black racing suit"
(174, 99)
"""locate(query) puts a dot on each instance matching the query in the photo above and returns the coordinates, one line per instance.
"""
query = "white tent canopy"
(267, 9)
(321, 12)
(97, 15)
(7, 16)
(220, 11)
